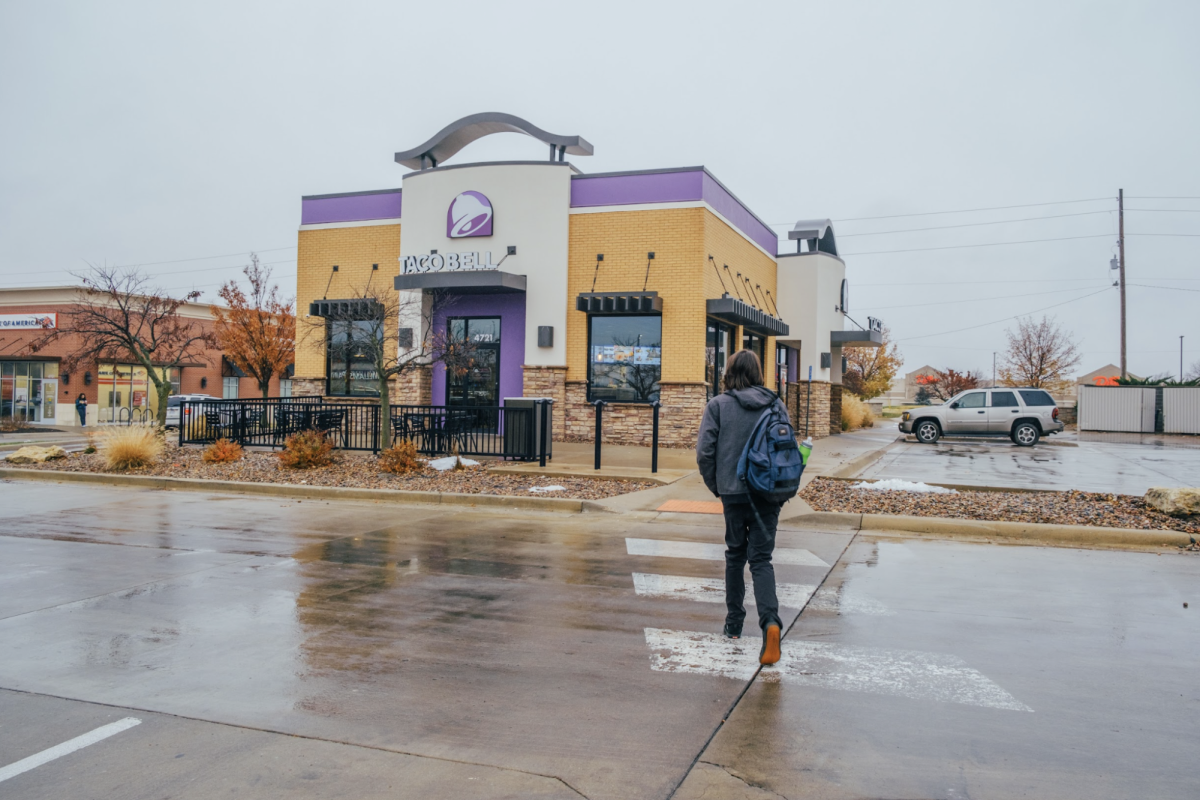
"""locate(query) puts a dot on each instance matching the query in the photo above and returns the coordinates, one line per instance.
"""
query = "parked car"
(1023, 415)
(176, 401)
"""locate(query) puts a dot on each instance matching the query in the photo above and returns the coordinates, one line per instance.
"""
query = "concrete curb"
(856, 465)
(1027, 532)
(558, 504)
(964, 487)
(664, 477)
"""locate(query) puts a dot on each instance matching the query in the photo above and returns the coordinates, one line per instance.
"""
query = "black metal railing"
(474, 431)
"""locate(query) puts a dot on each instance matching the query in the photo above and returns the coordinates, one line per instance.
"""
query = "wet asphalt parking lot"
(1118, 463)
(272, 648)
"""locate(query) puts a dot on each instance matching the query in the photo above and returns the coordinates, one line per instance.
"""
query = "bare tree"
(257, 329)
(118, 316)
(391, 334)
(1040, 354)
(1194, 371)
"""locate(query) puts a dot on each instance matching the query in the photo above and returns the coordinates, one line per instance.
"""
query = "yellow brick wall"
(727, 246)
(354, 250)
(682, 239)
(676, 236)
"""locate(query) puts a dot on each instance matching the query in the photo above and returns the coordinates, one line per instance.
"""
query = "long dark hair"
(82, 397)
(743, 371)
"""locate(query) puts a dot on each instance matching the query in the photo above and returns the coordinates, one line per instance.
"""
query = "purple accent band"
(671, 187)
(350, 208)
(510, 308)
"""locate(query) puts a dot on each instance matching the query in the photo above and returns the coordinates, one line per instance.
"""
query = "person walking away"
(81, 409)
(730, 420)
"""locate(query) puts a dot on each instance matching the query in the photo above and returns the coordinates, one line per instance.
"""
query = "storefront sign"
(447, 262)
(469, 215)
(28, 321)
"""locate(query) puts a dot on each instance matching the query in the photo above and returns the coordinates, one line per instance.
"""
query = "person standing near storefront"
(729, 420)
(81, 409)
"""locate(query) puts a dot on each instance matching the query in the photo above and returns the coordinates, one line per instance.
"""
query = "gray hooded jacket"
(729, 419)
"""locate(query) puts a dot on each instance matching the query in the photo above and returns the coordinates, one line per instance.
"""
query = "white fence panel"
(1116, 408)
(1181, 410)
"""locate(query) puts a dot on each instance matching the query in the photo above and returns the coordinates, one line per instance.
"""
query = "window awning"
(358, 308)
(738, 312)
(856, 338)
(472, 281)
(619, 302)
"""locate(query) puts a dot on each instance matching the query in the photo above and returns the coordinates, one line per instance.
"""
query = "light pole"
(1181, 359)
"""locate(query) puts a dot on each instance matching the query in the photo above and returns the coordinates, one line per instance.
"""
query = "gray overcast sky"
(151, 132)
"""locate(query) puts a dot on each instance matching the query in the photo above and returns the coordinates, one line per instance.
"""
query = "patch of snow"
(897, 485)
(443, 464)
(540, 489)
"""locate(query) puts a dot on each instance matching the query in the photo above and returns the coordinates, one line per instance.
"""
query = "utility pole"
(993, 369)
(1121, 255)
(1181, 359)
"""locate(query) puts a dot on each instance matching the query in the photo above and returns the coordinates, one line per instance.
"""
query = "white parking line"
(670, 548)
(67, 747)
(712, 590)
(873, 670)
(841, 602)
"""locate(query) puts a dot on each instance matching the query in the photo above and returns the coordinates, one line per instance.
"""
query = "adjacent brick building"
(34, 387)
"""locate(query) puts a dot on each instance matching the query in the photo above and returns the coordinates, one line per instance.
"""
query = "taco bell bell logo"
(470, 215)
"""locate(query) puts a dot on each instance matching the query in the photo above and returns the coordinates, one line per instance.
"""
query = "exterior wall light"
(66, 378)
(204, 382)
(87, 379)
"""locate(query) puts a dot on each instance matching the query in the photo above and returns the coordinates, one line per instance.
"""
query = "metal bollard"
(599, 404)
(543, 406)
(654, 439)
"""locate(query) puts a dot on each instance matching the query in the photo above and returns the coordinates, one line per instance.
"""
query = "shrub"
(222, 451)
(401, 459)
(306, 450)
(855, 413)
(130, 447)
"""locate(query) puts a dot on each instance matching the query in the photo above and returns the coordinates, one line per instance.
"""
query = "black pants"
(746, 541)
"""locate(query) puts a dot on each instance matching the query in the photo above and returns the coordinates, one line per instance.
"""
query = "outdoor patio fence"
(496, 431)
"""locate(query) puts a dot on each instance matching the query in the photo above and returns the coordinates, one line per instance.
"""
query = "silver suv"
(174, 402)
(1023, 415)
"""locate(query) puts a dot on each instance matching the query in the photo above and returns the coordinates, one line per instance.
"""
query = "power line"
(976, 224)
(204, 258)
(1162, 234)
(1168, 288)
(1009, 280)
(1163, 198)
(973, 210)
(985, 299)
(1169, 210)
(1006, 319)
(989, 244)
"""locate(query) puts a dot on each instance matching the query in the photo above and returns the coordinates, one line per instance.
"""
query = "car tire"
(1025, 434)
(927, 431)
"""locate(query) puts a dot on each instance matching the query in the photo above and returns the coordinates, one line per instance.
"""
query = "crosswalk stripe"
(840, 602)
(712, 590)
(670, 548)
(902, 673)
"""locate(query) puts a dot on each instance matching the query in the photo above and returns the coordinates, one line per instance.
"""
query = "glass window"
(1036, 397)
(716, 353)
(285, 387)
(229, 388)
(350, 366)
(757, 344)
(973, 400)
(781, 372)
(625, 358)
(1003, 399)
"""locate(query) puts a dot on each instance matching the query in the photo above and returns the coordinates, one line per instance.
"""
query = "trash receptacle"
(517, 436)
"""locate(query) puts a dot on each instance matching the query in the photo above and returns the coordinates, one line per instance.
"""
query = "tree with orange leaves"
(257, 328)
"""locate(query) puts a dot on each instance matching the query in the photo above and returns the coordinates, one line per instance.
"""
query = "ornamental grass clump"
(306, 450)
(401, 459)
(223, 451)
(855, 413)
(130, 447)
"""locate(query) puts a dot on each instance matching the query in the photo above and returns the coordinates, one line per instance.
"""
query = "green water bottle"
(806, 450)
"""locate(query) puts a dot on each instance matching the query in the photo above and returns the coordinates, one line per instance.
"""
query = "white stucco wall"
(810, 286)
(531, 205)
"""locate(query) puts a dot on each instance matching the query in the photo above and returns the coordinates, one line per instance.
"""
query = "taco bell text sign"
(469, 215)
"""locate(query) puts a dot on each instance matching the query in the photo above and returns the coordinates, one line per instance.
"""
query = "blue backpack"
(771, 463)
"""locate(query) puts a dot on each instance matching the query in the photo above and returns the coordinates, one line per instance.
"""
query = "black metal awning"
(358, 308)
(476, 281)
(737, 312)
(619, 302)
(872, 338)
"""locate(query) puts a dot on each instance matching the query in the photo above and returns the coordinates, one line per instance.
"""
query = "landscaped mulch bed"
(356, 471)
(1062, 508)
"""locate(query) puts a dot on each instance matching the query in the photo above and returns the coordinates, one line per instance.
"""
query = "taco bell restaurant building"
(627, 287)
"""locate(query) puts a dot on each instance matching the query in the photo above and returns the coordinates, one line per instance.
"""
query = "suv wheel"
(927, 431)
(1026, 434)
